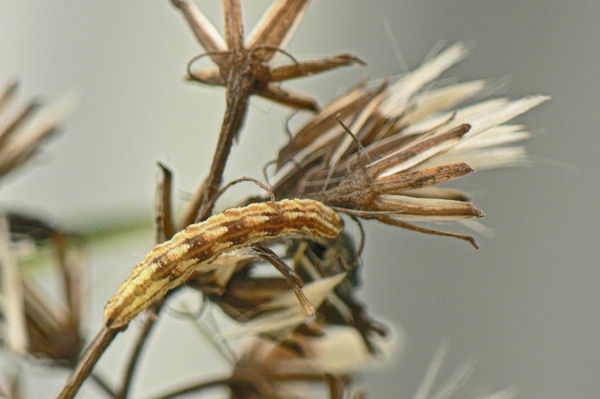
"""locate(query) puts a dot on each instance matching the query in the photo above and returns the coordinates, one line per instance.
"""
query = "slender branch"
(237, 104)
(137, 351)
(87, 362)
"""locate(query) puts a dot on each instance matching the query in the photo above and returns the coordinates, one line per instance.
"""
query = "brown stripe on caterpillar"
(171, 263)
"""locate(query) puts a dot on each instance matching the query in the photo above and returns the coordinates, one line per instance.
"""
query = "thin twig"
(235, 113)
(202, 203)
(87, 362)
(222, 190)
(290, 276)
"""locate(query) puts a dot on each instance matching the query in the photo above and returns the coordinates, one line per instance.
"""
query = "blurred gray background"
(525, 307)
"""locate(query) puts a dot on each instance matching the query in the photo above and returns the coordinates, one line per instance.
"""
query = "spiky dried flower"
(22, 132)
(379, 153)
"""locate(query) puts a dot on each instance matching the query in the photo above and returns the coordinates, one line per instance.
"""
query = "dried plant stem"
(87, 362)
(137, 351)
(237, 103)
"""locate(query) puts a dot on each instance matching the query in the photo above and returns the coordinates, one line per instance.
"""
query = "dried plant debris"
(35, 324)
(24, 129)
(380, 153)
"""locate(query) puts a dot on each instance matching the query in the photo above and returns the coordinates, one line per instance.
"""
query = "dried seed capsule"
(171, 263)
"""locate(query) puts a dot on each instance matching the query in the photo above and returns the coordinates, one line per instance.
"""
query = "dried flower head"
(22, 132)
(379, 153)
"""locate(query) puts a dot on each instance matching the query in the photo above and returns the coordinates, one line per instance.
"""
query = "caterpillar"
(172, 262)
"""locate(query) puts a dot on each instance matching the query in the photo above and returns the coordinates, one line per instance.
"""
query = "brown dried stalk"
(137, 350)
(87, 361)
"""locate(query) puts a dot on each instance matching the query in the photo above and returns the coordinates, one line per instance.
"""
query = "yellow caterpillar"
(171, 263)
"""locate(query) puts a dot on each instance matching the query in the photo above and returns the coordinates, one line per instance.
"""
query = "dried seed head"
(400, 141)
